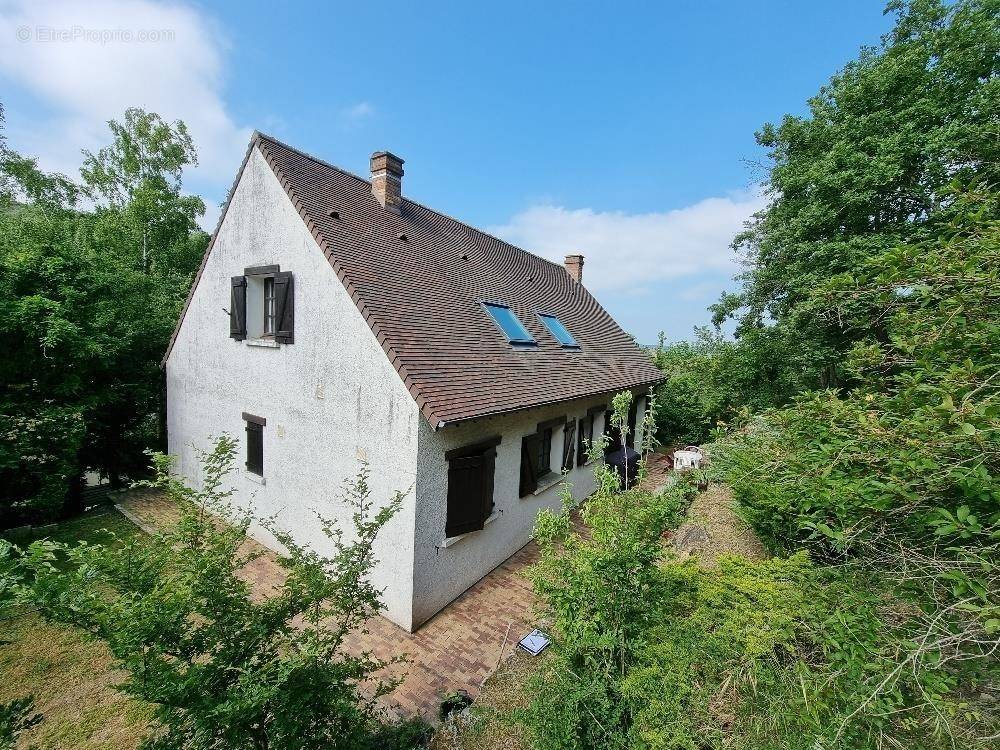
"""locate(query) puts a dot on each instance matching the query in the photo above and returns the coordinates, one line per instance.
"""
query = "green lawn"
(70, 676)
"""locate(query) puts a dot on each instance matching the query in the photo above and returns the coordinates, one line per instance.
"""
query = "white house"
(334, 320)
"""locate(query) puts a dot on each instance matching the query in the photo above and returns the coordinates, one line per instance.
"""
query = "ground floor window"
(585, 434)
(470, 486)
(536, 455)
(255, 443)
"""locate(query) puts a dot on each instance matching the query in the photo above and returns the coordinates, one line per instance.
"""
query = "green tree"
(136, 182)
(869, 167)
(224, 667)
(899, 475)
(710, 380)
(92, 299)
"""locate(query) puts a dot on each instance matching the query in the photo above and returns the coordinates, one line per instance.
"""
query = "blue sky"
(623, 131)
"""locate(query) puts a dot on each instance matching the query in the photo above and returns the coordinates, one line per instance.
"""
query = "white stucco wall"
(443, 570)
(329, 399)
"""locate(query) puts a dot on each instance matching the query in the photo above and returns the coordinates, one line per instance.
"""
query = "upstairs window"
(262, 305)
(269, 306)
(559, 331)
(508, 322)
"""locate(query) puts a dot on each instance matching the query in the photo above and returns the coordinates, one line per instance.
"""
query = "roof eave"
(439, 424)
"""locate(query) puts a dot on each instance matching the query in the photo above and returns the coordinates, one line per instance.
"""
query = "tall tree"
(93, 296)
(870, 166)
(136, 181)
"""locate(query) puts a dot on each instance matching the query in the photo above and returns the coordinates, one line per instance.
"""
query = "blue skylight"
(513, 328)
(557, 329)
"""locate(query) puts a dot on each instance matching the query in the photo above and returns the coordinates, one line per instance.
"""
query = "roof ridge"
(258, 134)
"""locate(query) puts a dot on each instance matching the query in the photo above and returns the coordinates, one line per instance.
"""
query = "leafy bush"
(226, 668)
(600, 588)
(899, 474)
(711, 380)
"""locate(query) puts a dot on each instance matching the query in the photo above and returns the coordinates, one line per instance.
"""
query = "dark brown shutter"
(238, 308)
(255, 448)
(470, 492)
(489, 467)
(529, 463)
(582, 436)
(284, 308)
(569, 446)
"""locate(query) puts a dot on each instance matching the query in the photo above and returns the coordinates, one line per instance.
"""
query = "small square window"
(255, 443)
(559, 331)
(508, 322)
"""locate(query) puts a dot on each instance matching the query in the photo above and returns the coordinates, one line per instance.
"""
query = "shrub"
(224, 668)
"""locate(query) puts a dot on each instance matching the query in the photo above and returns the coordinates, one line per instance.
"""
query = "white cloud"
(626, 251)
(90, 61)
(359, 111)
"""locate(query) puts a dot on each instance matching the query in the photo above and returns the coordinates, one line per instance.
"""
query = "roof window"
(559, 331)
(508, 322)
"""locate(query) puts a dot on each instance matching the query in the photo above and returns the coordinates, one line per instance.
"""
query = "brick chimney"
(574, 267)
(387, 180)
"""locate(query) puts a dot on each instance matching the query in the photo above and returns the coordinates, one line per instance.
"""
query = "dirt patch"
(713, 529)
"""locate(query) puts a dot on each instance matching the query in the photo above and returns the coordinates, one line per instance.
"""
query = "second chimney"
(574, 267)
(387, 180)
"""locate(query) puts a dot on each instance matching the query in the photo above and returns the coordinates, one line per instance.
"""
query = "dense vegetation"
(855, 415)
(875, 164)
(856, 418)
(222, 665)
(94, 274)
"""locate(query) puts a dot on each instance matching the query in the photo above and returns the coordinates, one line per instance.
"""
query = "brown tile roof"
(421, 296)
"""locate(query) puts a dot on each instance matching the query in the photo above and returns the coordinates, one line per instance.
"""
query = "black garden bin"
(625, 463)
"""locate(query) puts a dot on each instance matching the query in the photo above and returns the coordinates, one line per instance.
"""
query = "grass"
(489, 725)
(71, 676)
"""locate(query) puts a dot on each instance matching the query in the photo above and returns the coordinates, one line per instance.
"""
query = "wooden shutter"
(238, 308)
(255, 448)
(470, 492)
(569, 446)
(529, 463)
(582, 436)
(284, 308)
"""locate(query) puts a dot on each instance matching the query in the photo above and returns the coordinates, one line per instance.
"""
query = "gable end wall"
(330, 399)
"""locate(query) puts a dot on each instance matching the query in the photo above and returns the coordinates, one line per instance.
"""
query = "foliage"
(226, 668)
(868, 168)
(92, 296)
(899, 474)
(16, 717)
(716, 634)
(711, 380)
(599, 589)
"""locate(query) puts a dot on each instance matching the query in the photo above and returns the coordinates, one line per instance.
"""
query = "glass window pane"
(509, 324)
(557, 329)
